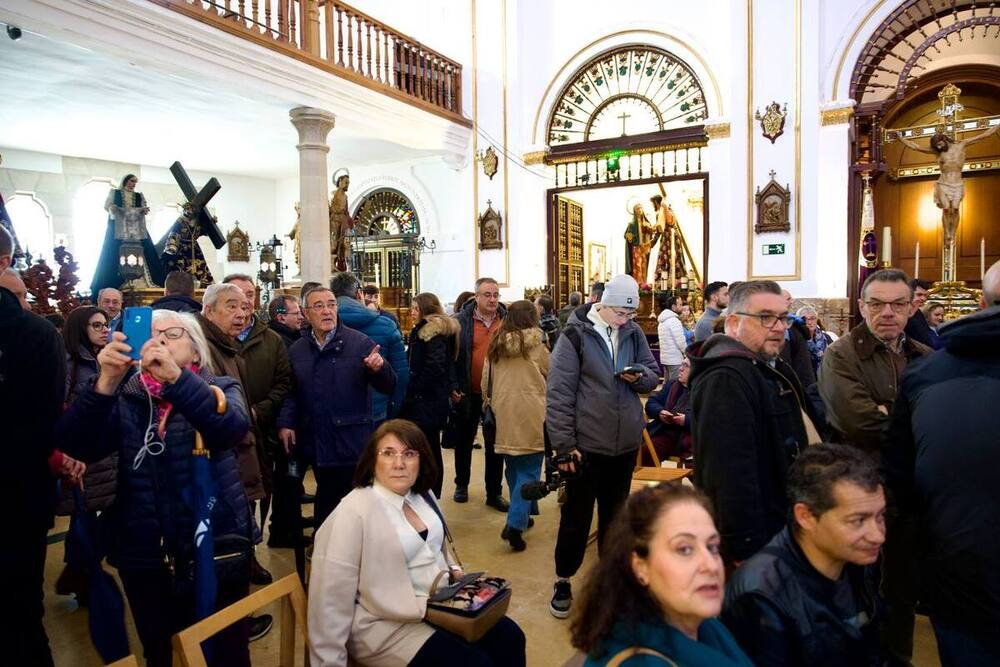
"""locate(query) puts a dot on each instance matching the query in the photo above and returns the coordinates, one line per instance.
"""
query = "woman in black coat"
(150, 419)
(433, 348)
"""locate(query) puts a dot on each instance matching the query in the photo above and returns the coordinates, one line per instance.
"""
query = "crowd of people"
(838, 482)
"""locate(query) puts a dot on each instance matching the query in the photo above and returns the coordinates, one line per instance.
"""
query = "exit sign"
(773, 249)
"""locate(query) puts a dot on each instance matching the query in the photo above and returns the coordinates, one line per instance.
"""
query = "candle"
(887, 246)
(916, 261)
(982, 258)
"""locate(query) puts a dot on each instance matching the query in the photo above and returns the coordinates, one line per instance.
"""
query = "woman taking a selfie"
(374, 563)
(150, 418)
(657, 589)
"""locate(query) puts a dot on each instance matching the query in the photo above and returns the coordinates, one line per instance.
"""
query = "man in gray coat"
(599, 366)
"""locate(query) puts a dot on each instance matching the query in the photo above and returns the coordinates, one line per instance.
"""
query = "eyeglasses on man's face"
(769, 320)
(171, 333)
(390, 454)
(876, 306)
(325, 305)
(623, 313)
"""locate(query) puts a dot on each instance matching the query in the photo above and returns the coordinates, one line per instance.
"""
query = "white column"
(314, 230)
(833, 164)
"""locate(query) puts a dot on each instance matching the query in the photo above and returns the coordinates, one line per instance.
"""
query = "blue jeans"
(520, 470)
(957, 647)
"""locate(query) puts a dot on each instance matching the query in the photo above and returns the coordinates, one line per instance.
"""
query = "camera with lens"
(554, 477)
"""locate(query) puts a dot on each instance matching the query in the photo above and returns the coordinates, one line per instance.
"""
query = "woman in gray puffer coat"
(85, 333)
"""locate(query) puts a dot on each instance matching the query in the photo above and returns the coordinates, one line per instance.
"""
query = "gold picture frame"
(597, 262)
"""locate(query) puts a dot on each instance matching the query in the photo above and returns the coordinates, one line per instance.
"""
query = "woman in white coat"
(375, 559)
(671, 335)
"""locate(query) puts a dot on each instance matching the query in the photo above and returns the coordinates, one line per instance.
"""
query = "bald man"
(991, 287)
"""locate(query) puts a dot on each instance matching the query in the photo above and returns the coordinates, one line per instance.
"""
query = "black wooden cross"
(198, 199)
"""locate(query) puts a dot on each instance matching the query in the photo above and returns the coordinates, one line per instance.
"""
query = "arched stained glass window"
(386, 212)
(628, 91)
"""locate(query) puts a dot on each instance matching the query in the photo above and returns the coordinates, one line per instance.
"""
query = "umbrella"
(205, 584)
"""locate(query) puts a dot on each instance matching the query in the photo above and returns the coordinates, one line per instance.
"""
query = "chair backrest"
(128, 661)
(187, 642)
(655, 473)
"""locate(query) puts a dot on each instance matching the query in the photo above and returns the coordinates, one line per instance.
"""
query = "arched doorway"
(918, 49)
(627, 127)
(385, 242)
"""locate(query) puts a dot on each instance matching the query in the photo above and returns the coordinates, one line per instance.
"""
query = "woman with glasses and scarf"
(150, 418)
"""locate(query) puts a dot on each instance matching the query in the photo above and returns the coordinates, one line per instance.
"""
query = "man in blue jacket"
(380, 328)
(327, 417)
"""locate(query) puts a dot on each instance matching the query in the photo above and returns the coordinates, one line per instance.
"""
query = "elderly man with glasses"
(750, 419)
(859, 382)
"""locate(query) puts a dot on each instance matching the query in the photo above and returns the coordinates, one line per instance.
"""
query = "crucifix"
(624, 117)
(950, 151)
(179, 249)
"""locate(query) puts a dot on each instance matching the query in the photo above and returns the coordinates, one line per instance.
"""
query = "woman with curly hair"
(657, 589)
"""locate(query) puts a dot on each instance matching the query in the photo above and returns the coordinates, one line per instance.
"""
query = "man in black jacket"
(917, 327)
(810, 597)
(285, 317)
(943, 465)
(749, 418)
(178, 294)
(32, 386)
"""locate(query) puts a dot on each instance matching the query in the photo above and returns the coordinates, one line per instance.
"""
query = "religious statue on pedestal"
(640, 237)
(127, 211)
(341, 222)
(295, 236)
(670, 262)
(181, 251)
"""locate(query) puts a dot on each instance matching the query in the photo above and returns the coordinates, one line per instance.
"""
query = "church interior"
(785, 140)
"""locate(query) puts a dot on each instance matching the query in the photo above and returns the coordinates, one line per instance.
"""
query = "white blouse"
(424, 558)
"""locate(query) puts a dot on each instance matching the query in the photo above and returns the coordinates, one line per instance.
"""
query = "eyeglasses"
(623, 314)
(98, 326)
(329, 305)
(897, 306)
(768, 320)
(172, 333)
(407, 455)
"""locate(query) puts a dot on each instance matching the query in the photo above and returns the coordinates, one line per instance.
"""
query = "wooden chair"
(655, 473)
(187, 642)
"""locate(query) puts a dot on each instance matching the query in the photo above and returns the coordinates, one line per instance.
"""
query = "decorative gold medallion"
(490, 162)
(772, 123)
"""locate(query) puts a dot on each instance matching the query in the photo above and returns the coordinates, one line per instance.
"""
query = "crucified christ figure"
(949, 189)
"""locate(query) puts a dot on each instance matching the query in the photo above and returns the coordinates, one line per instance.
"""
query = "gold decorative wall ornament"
(837, 116)
(237, 245)
(490, 162)
(772, 123)
(772, 208)
(717, 131)
(490, 225)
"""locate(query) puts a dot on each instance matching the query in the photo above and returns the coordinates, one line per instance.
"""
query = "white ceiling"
(56, 97)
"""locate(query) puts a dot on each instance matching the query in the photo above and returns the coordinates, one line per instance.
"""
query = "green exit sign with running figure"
(773, 249)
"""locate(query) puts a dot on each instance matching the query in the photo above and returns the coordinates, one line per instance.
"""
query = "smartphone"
(633, 369)
(137, 325)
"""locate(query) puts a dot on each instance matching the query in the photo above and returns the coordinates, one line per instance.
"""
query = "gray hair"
(886, 276)
(575, 298)
(101, 292)
(806, 310)
(194, 332)
(214, 292)
(739, 296)
(238, 276)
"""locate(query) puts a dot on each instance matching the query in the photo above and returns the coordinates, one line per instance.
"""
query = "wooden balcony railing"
(338, 38)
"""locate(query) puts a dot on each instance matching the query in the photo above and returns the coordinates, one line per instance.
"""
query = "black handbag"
(232, 563)
(489, 418)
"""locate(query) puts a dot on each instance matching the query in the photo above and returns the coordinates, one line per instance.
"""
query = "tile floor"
(476, 529)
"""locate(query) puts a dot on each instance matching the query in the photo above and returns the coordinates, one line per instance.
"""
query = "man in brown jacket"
(858, 381)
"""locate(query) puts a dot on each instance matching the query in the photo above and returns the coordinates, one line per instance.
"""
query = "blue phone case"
(137, 327)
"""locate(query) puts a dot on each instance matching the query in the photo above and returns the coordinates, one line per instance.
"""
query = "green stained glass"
(622, 71)
(567, 124)
(599, 81)
(685, 106)
(649, 71)
(578, 99)
(689, 119)
(670, 85)
(682, 92)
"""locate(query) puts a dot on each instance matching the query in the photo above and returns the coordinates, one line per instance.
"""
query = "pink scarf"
(163, 408)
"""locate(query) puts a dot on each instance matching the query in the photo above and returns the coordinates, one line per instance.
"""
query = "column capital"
(313, 125)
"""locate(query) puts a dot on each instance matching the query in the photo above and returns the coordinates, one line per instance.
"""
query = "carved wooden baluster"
(455, 86)
(267, 17)
(368, 48)
(242, 12)
(422, 72)
(282, 20)
(340, 36)
(378, 53)
(254, 14)
(388, 76)
(292, 37)
(328, 14)
(360, 69)
(350, 42)
(410, 79)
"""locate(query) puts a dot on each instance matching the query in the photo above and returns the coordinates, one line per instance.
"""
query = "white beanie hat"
(621, 292)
